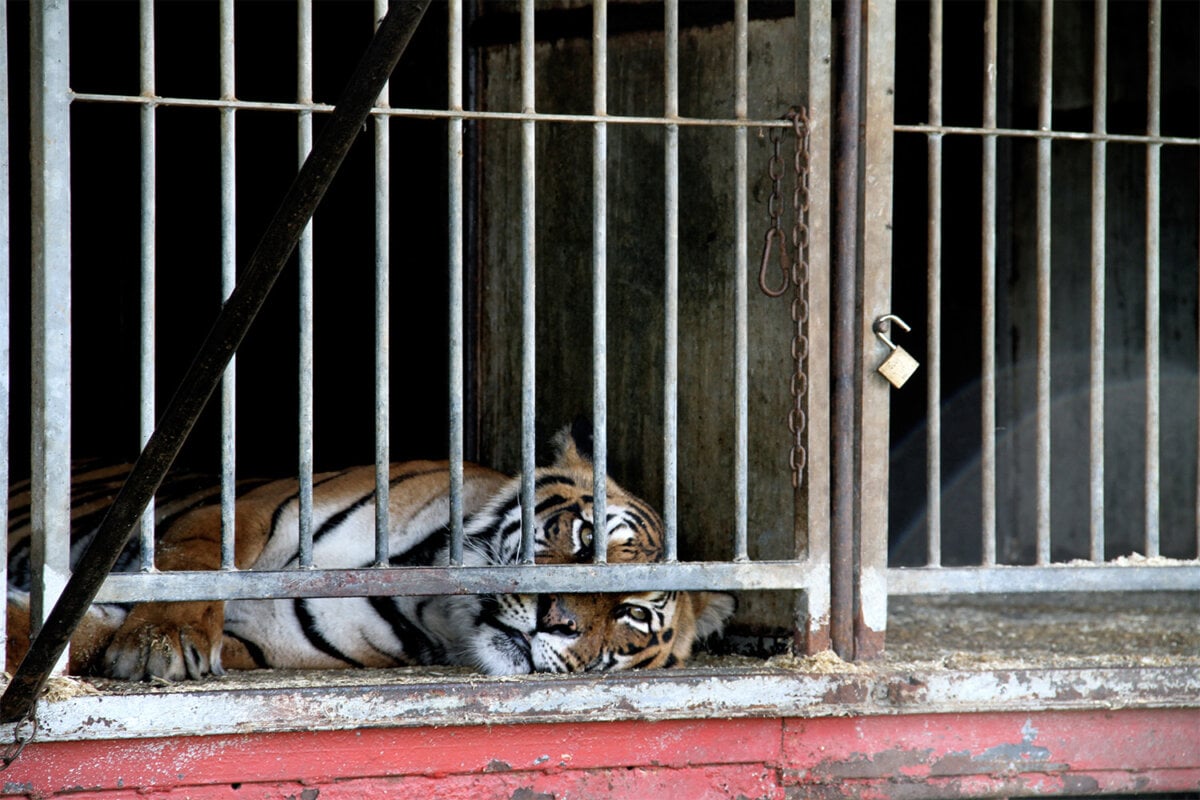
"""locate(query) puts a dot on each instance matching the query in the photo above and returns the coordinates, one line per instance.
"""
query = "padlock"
(899, 366)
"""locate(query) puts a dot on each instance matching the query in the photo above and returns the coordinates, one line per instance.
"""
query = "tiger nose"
(554, 617)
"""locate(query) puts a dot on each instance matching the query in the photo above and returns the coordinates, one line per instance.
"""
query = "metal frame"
(990, 575)
(808, 573)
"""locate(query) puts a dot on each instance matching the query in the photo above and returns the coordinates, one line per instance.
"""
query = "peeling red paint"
(919, 756)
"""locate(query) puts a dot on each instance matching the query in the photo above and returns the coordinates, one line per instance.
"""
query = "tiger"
(504, 634)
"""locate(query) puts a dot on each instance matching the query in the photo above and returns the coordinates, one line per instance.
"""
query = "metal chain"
(794, 266)
(23, 732)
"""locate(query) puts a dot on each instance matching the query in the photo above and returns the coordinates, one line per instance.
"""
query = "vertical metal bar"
(455, 145)
(228, 279)
(812, 503)
(5, 318)
(671, 288)
(987, 455)
(600, 282)
(872, 421)
(1099, 206)
(933, 299)
(1153, 298)
(842, 542)
(741, 336)
(50, 155)
(304, 253)
(148, 228)
(528, 280)
(383, 212)
(1042, 477)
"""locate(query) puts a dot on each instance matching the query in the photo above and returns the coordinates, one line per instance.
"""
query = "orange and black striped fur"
(494, 634)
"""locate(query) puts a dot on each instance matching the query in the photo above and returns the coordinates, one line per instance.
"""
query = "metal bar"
(148, 214)
(874, 393)
(741, 326)
(1052, 135)
(1183, 577)
(600, 283)
(528, 282)
(383, 266)
(5, 316)
(425, 581)
(933, 300)
(1042, 459)
(304, 94)
(844, 340)
(987, 379)
(228, 281)
(456, 311)
(268, 260)
(1099, 205)
(1153, 271)
(50, 157)
(437, 114)
(811, 518)
(671, 283)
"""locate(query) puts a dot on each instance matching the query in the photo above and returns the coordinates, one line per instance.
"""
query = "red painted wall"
(899, 756)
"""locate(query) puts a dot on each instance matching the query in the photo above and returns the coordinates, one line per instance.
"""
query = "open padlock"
(899, 366)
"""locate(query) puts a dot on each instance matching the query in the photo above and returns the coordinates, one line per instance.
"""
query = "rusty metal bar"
(1042, 458)
(231, 325)
(1099, 205)
(1153, 275)
(845, 324)
(671, 287)
(228, 278)
(456, 223)
(933, 299)
(811, 519)
(148, 216)
(600, 283)
(874, 399)
(987, 379)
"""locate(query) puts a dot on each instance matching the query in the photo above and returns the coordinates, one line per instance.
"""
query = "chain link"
(23, 733)
(793, 263)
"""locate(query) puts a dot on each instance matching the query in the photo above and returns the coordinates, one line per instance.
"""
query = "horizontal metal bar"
(1179, 576)
(356, 699)
(517, 579)
(1076, 136)
(436, 113)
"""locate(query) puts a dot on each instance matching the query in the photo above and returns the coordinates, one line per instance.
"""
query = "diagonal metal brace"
(265, 265)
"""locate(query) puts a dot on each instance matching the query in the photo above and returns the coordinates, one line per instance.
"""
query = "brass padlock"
(899, 366)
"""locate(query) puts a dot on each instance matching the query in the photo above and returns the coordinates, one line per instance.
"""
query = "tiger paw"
(168, 641)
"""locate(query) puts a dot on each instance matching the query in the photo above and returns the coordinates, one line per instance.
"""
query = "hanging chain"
(793, 265)
(23, 732)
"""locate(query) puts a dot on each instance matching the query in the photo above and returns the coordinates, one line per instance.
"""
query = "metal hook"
(784, 263)
(881, 328)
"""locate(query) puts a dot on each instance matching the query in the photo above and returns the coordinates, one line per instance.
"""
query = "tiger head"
(590, 632)
(564, 522)
(604, 632)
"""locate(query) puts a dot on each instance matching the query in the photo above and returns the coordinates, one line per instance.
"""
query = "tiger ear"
(573, 445)
(712, 611)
